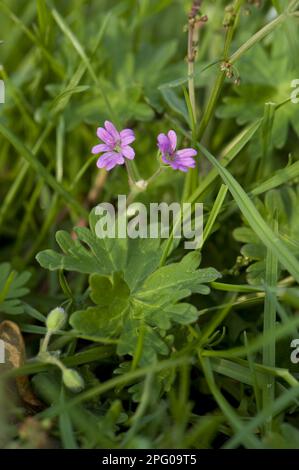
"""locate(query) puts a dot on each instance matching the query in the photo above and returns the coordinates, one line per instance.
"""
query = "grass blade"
(42, 171)
(269, 327)
(254, 218)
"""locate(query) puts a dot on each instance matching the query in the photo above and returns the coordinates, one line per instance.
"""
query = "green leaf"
(112, 298)
(106, 291)
(153, 344)
(175, 103)
(143, 259)
(104, 256)
(177, 277)
(129, 290)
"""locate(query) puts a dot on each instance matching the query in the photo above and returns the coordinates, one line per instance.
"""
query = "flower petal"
(127, 136)
(112, 130)
(111, 164)
(105, 136)
(183, 168)
(164, 143)
(101, 163)
(107, 158)
(120, 159)
(186, 153)
(165, 160)
(173, 164)
(188, 161)
(100, 148)
(190, 164)
(128, 152)
(172, 139)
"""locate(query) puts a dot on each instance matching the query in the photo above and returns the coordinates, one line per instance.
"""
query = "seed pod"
(72, 380)
(56, 319)
(229, 16)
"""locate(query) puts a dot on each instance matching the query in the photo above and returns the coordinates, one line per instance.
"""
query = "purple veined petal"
(164, 143)
(127, 136)
(112, 130)
(171, 163)
(181, 164)
(165, 160)
(120, 159)
(128, 152)
(105, 136)
(100, 148)
(101, 163)
(187, 153)
(117, 159)
(126, 132)
(174, 165)
(127, 140)
(110, 154)
(111, 164)
(186, 160)
(172, 139)
(187, 163)
(183, 168)
(107, 158)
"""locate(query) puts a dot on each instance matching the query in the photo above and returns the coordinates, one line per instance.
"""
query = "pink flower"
(115, 147)
(178, 159)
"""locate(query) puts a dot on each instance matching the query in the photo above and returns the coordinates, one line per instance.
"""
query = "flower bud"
(56, 319)
(72, 380)
(141, 184)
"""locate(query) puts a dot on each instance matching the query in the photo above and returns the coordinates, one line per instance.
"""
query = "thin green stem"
(45, 342)
(257, 37)
(132, 181)
(118, 381)
(269, 327)
(208, 113)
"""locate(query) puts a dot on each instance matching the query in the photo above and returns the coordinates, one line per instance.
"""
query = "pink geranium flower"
(115, 147)
(178, 159)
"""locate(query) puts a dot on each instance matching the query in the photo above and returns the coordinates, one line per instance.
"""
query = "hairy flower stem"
(193, 29)
(132, 181)
(191, 179)
(141, 185)
(50, 359)
(208, 113)
(212, 102)
(154, 175)
(45, 342)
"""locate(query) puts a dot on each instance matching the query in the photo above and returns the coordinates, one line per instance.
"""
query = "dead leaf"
(15, 357)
